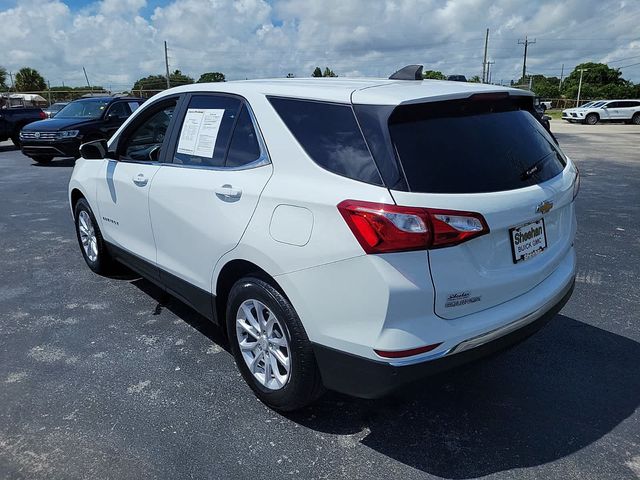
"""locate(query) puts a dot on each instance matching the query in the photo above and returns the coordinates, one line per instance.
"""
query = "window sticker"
(200, 131)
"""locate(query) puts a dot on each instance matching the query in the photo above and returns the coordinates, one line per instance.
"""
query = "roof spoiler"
(410, 72)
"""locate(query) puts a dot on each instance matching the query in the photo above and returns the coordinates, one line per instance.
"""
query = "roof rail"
(410, 72)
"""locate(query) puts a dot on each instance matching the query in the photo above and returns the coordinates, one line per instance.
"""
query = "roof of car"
(108, 98)
(374, 91)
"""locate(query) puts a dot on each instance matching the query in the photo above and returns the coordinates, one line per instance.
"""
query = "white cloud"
(255, 38)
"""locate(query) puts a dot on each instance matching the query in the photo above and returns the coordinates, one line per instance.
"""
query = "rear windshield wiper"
(535, 168)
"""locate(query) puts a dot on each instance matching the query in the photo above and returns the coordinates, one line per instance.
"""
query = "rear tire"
(90, 240)
(636, 119)
(591, 119)
(42, 159)
(264, 329)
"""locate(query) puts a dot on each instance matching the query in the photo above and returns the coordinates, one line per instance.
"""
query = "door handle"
(140, 180)
(228, 193)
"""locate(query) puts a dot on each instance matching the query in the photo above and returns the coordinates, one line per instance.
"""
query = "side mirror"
(604, 106)
(96, 150)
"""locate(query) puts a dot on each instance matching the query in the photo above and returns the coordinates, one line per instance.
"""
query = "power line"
(632, 65)
(622, 59)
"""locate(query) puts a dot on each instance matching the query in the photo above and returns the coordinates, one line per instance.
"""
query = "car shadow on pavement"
(165, 300)
(549, 397)
(8, 148)
(64, 162)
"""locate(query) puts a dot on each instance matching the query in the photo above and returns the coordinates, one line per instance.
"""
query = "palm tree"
(29, 80)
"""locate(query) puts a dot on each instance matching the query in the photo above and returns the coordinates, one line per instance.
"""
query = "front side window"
(206, 130)
(146, 138)
(119, 110)
(330, 135)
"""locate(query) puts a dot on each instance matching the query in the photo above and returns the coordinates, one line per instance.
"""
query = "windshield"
(597, 104)
(83, 109)
(588, 104)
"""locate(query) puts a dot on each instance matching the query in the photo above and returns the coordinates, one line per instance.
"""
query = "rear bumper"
(366, 378)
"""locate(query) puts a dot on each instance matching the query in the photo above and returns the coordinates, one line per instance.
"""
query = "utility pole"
(49, 88)
(561, 77)
(582, 70)
(489, 71)
(11, 77)
(526, 44)
(87, 79)
(166, 63)
(484, 61)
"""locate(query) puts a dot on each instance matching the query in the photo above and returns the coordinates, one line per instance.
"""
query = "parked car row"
(627, 111)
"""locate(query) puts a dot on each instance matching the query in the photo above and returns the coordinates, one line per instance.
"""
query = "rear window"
(330, 135)
(472, 147)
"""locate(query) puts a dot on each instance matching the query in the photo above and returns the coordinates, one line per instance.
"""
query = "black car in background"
(13, 119)
(79, 122)
(51, 110)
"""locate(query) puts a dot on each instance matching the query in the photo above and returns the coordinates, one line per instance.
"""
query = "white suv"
(353, 234)
(627, 111)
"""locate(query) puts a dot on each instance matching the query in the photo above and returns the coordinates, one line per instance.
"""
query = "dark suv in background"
(79, 122)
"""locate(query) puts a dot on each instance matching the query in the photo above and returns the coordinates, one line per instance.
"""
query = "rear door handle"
(228, 193)
(140, 180)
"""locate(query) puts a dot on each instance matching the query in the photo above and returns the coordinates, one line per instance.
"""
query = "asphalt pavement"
(109, 378)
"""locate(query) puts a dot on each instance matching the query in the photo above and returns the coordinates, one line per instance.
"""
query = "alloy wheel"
(88, 236)
(263, 344)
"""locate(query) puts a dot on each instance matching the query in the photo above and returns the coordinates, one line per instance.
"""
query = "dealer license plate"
(528, 240)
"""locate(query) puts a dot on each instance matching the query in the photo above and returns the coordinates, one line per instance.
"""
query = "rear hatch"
(490, 156)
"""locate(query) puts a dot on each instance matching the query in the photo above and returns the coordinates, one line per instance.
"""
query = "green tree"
(328, 73)
(434, 75)
(317, 72)
(211, 77)
(598, 81)
(159, 82)
(29, 80)
(3, 78)
(475, 79)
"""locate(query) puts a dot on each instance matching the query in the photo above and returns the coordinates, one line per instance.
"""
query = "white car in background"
(353, 234)
(627, 111)
(571, 114)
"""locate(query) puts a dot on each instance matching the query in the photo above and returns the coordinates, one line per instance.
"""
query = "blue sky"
(118, 41)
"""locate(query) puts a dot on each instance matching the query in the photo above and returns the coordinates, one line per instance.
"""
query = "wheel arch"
(229, 274)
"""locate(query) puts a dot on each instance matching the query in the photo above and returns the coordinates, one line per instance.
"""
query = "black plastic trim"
(365, 378)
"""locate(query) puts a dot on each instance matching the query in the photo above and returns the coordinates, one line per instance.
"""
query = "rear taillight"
(576, 183)
(383, 228)
(43, 115)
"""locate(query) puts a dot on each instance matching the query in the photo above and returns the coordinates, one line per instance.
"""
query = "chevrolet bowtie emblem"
(544, 207)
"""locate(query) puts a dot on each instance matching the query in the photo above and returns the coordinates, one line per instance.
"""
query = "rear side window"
(330, 135)
(206, 130)
(244, 147)
(472, 147)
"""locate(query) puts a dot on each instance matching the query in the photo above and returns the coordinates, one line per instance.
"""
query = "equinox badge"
(544, 207)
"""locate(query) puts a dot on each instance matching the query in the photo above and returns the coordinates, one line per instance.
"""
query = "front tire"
(591, 119)
(90, 239)
(270, 346)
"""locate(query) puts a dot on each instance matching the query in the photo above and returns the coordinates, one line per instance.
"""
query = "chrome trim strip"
(490, 335)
